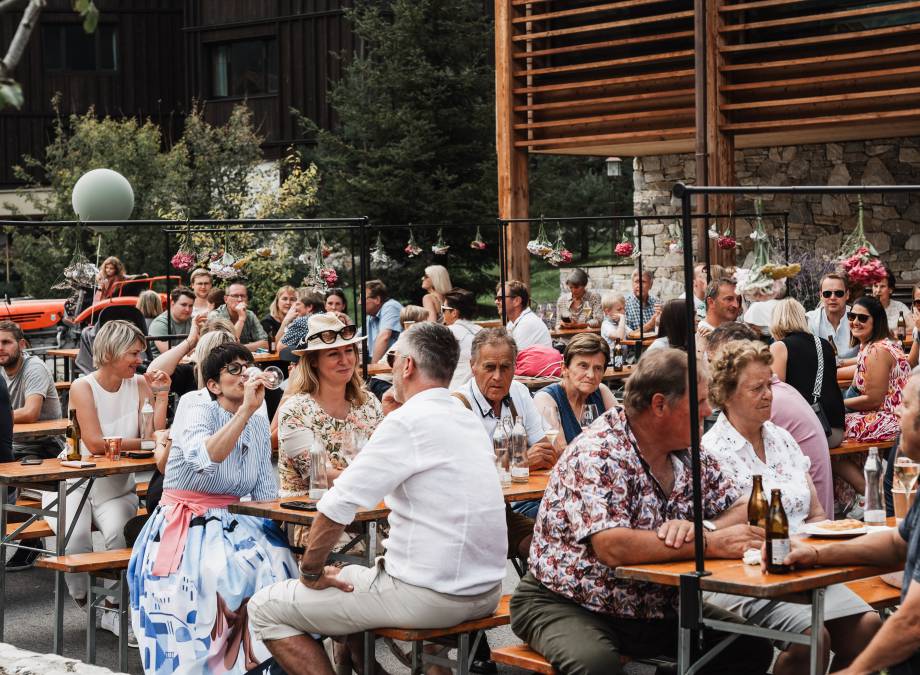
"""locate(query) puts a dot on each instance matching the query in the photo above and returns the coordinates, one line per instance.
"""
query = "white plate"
(815, 530)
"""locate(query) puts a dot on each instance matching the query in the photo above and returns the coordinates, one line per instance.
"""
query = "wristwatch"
(311, 576)
(709, 526)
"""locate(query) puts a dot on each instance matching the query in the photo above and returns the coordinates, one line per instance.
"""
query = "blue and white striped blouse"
(247, 470)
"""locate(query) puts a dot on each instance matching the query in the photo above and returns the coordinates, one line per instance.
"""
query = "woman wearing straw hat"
(326, 401)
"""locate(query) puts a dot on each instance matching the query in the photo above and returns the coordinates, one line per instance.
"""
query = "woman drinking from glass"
(578, 305)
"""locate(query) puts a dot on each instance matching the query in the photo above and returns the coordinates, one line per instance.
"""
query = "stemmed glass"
(551, 424)
(906, 471)
(273, 375)
(588, 415)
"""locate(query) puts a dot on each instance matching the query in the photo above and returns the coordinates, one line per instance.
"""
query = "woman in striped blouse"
(195, 564)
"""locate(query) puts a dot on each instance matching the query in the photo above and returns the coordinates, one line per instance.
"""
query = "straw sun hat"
(327, 332)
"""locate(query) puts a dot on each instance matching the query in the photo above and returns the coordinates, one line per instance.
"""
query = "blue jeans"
(528, 508)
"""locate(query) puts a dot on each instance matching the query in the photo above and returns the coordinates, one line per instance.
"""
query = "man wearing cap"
(432, 465)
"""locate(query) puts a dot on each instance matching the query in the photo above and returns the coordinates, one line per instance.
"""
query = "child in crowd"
(614, 326)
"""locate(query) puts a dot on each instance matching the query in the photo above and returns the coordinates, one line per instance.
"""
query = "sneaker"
(22, 559)
(109, 622)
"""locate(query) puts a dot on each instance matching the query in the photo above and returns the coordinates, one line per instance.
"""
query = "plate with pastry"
(848, 527)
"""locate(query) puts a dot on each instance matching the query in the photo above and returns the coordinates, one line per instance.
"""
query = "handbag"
(816, 394)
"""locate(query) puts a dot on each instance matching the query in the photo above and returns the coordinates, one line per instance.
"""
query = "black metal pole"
(167, 257)
(786, 236)
(707, 254)
(354, 273)
(641, 288)
(501, 265)
(368, 348)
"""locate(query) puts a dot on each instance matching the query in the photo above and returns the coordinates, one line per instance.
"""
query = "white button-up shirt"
(820, 326)
(433, 466)
(523, 404)
(786, 467)
(529, 330)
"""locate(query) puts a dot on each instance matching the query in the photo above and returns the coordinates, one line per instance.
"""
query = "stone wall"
(14, 661)
(619, 278)
(816, 222)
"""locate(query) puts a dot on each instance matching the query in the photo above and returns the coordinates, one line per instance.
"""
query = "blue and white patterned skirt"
(194, 621)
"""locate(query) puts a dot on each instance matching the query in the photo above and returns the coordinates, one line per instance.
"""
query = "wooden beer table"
(571, 332)
(68, 355)
(736, 578)
(31, 431)
(50, 476)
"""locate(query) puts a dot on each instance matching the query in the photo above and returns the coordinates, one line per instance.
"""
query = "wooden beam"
(830, 98)
(720, 147)
(633, 116)
(605, 44)
(850, 76)
(513, 193)
(610, 63)
(607, 82)
(590, 9)
(912, 113)
(824, 58)
(575, 104)
(640, 21)
(600, 139)
(824, 16)
(887, 31)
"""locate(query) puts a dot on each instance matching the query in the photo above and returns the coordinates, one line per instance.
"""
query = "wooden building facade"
(151, 58)
(655, 77)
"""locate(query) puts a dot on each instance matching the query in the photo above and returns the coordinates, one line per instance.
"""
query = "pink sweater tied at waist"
(185, 505)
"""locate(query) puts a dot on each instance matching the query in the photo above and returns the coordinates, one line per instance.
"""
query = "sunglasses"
(236, 368)
(861, 318)
(329, 336)
(391, 358)
(836, 294)
(445, 308)
(916, 303)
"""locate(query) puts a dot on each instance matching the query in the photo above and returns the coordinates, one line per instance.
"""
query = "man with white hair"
(431, 463)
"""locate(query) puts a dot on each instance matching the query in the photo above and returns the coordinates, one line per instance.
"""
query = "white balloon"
(102, 194)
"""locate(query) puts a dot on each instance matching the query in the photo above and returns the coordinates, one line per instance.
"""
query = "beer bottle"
(757, 504)
(902, 329)
(778, 545)
(73, 437)
(617, 357)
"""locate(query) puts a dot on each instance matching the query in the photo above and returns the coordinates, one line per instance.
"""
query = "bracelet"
(311, 576)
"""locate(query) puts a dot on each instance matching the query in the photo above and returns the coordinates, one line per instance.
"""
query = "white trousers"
(111, 503)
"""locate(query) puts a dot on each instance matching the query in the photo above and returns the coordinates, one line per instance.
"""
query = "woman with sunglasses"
(327, 402)
(875, 395)
(436, 282)
(457, 309)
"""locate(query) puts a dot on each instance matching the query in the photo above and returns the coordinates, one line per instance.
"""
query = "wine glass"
(551, 424)
(352, 443)
(273, 375)
(906, 471)
(588, 415)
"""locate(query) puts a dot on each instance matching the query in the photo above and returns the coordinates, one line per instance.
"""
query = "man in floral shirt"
(619, 495)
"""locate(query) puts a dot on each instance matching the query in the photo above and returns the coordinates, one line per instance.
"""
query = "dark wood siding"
(144, 84)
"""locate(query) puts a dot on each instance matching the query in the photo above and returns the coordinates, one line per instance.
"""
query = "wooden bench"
(853, 447)
(99, 565)
(875, 592)
(141, 489)
(62, 386)
(466, 648)
(522, 656)
(38, 529)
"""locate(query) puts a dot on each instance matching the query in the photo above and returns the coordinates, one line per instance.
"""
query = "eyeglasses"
(391, 358)
(837, 294)
(329, 336)
(445, 308)
(236, 368)
(238, 296)
(862, 318)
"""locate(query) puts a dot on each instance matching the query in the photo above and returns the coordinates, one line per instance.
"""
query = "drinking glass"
(352, 442)
(273, 375)
(551, 425)
(906, 471)
(588, 415)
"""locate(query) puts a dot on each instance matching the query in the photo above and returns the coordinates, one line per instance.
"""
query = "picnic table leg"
(66, 368)
(817, 628)
(60, 588)
(91, 622)
(4, 490)
(370, 642)
(123, 615)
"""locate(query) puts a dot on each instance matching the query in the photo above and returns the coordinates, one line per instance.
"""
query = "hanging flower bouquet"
(764, 280)
(478, 244)
(559, 254)
(222, 265)
(624, 249)
(675, 242)
(330, 276)
(379, 255)
(541, 246)
(858, 258)
(184, 260)
(412, 248)
(440, 247)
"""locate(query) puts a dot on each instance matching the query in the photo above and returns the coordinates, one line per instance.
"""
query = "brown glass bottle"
(901, 331)
(757, 504)
(778, 544)
(830, 339)
(618, 357)
(73, 436)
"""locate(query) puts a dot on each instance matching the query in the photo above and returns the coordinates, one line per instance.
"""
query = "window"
(69, 47)
(244, 68)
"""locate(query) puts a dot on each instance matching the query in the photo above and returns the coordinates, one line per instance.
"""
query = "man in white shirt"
(721, 307)
(828, 320)
(525, 327)
(432, 465)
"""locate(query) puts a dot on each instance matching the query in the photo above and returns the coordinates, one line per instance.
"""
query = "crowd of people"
(215, 591)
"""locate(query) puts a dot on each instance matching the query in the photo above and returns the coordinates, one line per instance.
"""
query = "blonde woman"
(150, 305)
(281, 305)
(326, 401)
(412, 314)
(108, 403)
(111, 272)
(437, 282)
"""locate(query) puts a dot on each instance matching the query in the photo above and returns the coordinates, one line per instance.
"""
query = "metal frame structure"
(691, 619)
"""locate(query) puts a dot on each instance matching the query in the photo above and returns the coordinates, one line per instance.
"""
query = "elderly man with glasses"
(828, 320)
(246, 324)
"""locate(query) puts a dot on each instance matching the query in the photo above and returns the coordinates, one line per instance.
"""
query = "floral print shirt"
(590, 307)
(786, 467)
(600, 483)
(300, 413)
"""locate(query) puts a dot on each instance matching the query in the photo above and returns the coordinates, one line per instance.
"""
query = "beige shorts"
(289, 608)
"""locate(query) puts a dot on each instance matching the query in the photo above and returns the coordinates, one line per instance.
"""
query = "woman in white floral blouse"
(325, 399)
(745, 442)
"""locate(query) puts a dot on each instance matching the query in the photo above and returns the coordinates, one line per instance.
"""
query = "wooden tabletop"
(50, 470)
(263, 357)
(849, 447)
(611, 374)
(733, 576)
(66, 353)
(378, 369)
(646, 341)
(569, 332)
(535, 383)
(29, 431)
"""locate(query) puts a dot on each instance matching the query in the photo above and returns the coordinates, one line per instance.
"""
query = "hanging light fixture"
(614, 167)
